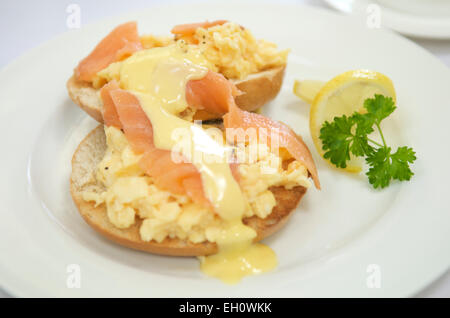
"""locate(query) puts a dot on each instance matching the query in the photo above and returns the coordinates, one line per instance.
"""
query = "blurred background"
(25, 24)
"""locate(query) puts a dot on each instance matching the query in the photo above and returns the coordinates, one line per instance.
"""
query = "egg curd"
(228, 49)
(235, 52)
(158, 77)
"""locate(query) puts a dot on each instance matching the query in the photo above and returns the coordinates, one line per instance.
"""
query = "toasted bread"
(258, 89)
(84, 164)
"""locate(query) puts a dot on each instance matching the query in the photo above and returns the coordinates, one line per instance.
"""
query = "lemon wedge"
(307, 89)
(343, 95)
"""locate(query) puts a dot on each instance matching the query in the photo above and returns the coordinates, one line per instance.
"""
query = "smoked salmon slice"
(190, 28)
(109, 112)
(123, 110)
(122, 42)
(288, 139)
(213, 92)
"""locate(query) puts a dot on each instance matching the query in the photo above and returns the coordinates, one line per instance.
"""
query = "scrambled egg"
(231, 49)
(130, 194)
(235, 52)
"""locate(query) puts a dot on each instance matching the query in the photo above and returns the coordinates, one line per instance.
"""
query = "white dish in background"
(417, 18)
(331, 240)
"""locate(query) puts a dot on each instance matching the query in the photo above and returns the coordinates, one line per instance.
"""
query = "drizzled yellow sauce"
(238, 256)
(158, 78)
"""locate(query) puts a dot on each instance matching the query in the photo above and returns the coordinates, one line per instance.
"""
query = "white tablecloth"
(25, 24)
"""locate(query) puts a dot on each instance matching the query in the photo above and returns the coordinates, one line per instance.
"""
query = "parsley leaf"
(349, 135)
(360, 145)
(379, 107)
(400, 169)
(379, 173)
(336, 138)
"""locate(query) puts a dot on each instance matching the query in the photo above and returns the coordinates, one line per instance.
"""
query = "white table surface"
(25, 24)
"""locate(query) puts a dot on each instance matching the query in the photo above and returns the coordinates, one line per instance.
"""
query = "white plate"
(331, 240)
(418, 18)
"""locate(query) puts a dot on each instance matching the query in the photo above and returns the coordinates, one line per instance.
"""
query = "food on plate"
(344, 112)
(342, 95)
(307, 89)
(154, 179)
(256, 67)
(347, 135)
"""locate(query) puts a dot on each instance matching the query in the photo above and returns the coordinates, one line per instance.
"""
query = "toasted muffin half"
(83, 178)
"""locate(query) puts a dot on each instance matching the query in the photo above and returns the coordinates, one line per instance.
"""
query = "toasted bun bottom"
(84, 164)
(258, 89)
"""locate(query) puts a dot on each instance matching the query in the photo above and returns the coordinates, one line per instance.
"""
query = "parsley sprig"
(349, 134)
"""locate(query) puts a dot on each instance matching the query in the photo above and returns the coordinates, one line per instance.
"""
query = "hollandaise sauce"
(158, 78)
